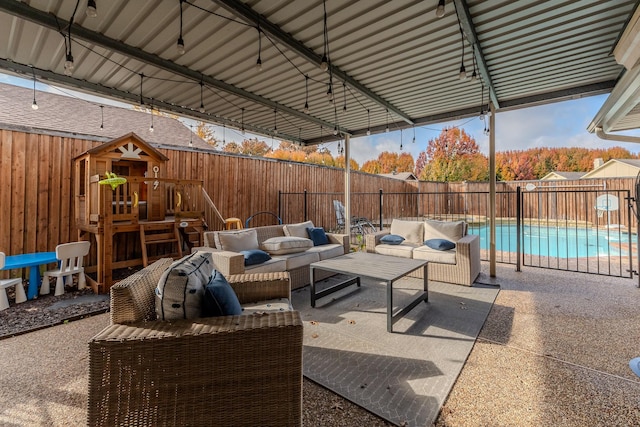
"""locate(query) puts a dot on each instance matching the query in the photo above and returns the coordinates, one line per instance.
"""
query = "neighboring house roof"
(81, 119)
(404, 176)
(562, 175)
(616, 168)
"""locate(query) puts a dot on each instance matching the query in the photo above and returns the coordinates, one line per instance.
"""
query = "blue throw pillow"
(392, 239)
(440, 244)
(318, 236)
(255, 256)
(220, 298)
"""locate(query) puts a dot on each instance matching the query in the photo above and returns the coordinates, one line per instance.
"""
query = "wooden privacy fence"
(36, 175)
(37, 211)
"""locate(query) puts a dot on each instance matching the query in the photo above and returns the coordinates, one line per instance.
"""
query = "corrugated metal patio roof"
(394, 64)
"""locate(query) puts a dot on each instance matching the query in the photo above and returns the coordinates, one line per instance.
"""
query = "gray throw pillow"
(392, 239)
(440, 244)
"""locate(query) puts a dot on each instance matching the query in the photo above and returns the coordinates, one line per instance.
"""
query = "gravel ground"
(321, 407)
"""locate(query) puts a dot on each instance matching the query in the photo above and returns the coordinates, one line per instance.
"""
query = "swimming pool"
(558, 242)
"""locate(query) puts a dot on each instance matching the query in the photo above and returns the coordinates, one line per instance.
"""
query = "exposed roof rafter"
(50, 21)
(245, 12)
(109, 92)
(470, 33)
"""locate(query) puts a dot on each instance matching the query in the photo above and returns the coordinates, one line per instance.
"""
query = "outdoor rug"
(404, 376)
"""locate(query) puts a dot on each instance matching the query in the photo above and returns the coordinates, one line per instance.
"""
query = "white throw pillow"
(181, 287)
(236, 241)
(412, 231)
(286, 245)
(298, 230)
(448, 230)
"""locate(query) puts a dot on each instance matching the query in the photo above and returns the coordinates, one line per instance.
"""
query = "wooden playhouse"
(129, 210)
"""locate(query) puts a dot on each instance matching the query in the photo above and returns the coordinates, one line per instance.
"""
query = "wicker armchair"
(220, 371)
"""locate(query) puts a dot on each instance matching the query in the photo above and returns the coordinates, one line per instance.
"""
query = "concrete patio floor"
(554, 350)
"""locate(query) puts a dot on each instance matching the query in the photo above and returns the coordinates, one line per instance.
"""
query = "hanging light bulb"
(386, 129)
(34, 105)
(102, 117)
(180, 44)
(275, 122)
(335, 130)
(306, 94)
(259, 60)
(92, 10)
(330, 93)
(440, 9)
(368, 122)
(324, 63)
(201, 109)
(463, 73)
(413, 141)
(191, 136)
(68, 64)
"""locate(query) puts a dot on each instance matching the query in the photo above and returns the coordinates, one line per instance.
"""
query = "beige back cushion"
(286, 245)
(298, 230)
(236, 241)
(449, 230)
(412, 231)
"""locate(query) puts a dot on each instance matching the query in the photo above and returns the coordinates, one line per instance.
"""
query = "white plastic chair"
(5, 283)
(71, 256)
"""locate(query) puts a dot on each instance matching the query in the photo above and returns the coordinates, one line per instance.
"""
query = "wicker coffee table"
(373, 266)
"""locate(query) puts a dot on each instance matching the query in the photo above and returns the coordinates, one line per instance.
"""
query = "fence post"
(380, 209)
(518, 224)
(305, 205)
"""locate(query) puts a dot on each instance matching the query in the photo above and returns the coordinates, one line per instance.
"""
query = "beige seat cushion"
(331, 250)
(448, 230)
(286, 245)
(300, 259)
(434, 255)
(412, 231)
(278, 304)
(404, 250)
(298, 230)
(271, 266)
(236, 241)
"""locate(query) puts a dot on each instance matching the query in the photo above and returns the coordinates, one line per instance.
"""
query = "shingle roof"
(569, 175)
(404, 176)
(631, 162)
(80, 118)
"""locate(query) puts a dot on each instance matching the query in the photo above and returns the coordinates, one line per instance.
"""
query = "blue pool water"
(558, 242)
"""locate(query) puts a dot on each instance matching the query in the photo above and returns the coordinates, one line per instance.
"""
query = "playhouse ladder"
(159, 233)
(192, 232)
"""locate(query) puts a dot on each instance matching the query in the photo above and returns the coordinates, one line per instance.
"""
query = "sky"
(560, 124)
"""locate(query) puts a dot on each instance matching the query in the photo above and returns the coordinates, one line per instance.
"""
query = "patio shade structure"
(389, 64)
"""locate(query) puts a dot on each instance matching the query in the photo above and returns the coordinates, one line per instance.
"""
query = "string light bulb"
(324, 63)
(201, 109)
(259, 60)
(335, 130)
(180, 44)
(440, 9)
(92, 10)
(275, 121)
(386, 129)
(463, 72)
(34, 105)
(68, 64)
(151, 127)
(102, 117)
(368, 122)
(330, 93)
(306, 94)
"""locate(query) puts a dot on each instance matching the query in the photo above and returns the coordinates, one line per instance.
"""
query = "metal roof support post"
(347, 187)
(492, 191)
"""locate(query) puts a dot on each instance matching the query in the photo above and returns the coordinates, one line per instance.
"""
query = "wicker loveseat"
(297, 264)
(460, 265)
(218, 371)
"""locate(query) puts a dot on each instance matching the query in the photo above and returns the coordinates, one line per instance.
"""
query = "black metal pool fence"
(582, 230)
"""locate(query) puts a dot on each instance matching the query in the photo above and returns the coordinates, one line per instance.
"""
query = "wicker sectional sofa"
(460, 265)
(243, 370)
(231, 262)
